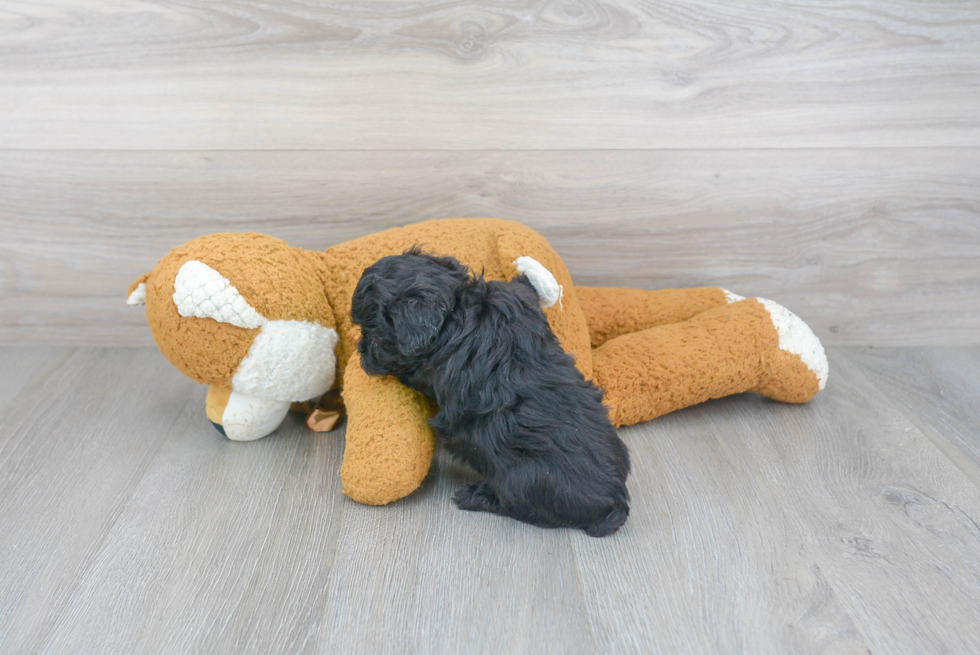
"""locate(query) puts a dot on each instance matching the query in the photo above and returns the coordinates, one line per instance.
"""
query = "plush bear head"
(243, 312)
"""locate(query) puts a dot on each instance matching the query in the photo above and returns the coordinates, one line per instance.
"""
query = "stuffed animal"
(266, 324)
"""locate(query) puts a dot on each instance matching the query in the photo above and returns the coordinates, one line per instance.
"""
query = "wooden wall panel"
(488, 74)
(824, 153)
(870, 246)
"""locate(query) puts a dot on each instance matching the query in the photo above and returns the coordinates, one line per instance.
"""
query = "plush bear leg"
(611, 312)
(389, 442)
(749, 345)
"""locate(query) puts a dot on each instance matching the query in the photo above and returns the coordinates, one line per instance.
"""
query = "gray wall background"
(823, 154)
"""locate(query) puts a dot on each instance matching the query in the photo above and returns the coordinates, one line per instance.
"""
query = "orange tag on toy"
(327, 413)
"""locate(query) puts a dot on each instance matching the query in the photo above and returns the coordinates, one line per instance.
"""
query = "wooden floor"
(849, 525)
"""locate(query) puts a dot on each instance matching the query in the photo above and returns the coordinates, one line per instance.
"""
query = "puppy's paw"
(476, 497)
(609, 523)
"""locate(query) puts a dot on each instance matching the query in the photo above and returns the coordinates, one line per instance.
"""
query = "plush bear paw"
(798, 370)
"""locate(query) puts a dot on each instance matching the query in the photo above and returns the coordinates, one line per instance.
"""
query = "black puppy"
(512, 405)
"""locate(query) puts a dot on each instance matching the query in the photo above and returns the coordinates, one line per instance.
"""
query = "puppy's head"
(401, 303)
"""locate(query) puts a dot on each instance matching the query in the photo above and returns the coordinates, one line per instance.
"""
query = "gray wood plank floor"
(849, 525)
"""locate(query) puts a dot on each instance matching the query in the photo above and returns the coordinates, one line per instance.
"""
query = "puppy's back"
(533, 426)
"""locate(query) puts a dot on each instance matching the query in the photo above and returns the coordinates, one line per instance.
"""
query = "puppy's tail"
(610, 521)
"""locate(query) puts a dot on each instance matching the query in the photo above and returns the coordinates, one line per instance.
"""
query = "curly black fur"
(512, 405)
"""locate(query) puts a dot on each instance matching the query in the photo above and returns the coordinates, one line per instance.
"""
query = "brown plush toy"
(266, 324)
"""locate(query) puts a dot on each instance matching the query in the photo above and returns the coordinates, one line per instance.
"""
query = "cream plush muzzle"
(288, 360)
(242, 417)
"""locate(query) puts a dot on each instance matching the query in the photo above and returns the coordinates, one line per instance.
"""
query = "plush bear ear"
(137, 291)
(417, 316)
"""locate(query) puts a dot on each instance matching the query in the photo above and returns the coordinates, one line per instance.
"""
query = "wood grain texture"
(888, 511)
(713, 561)
(822, 154)
(937, 389)
(480, 74)
(26, 367)
(73, 444)
(869, 246)
(472, 583)
(222, 549)
(128, 525)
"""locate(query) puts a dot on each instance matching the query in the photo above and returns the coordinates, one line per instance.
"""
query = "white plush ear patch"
(796, 337)
(289, 360)
(138, 296)
(541, 279)
(202, 292)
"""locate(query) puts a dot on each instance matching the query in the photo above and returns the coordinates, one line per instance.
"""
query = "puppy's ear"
(418, 317)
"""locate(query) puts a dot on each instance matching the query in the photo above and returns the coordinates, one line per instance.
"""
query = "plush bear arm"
(389, 441)
(612, 312)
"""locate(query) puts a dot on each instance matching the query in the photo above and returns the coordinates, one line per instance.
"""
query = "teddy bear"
(266, 325)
